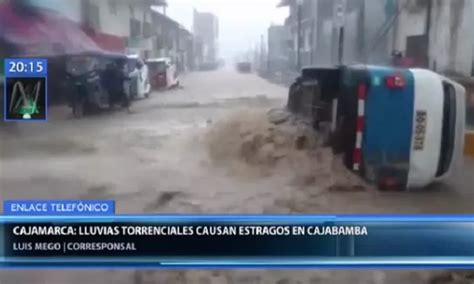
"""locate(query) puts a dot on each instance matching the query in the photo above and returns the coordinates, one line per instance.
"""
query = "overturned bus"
(397, 128)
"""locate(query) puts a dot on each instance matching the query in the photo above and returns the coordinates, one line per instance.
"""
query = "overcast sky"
(241, 22)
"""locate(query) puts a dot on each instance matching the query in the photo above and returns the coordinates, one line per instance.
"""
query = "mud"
(249, 143)
(454, 277)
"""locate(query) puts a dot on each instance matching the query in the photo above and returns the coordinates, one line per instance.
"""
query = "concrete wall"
(377, 34)
(70, 8)
(116, 20)
(278, 47)
(451, 39)
(351, 38)
(324, 48)
(309, 31)
(206, 28)
(277, 42)
(114, 23)
(411, 22)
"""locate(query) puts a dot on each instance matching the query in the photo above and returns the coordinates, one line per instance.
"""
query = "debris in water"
(97, 192)
(454, 277)
(300, 142)
(346, 188)
(248, 142)
(278, 116)
(163, 199)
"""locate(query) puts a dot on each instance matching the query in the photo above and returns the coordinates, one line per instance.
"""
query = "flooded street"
(165, 157)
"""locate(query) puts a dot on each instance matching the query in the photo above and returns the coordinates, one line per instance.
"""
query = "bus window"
(448, 129)
(469, 105)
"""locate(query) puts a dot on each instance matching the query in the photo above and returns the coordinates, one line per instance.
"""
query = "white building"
(124, 25)
(279, 48)
(437, 34)
(71, 9)
(116, 25)
(206, 30)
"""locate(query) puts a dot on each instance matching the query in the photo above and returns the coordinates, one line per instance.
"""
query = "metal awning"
(43, 33)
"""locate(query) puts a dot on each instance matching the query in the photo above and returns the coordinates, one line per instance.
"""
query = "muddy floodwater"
(208, 147)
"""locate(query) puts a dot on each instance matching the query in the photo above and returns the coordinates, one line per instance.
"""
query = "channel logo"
(25, 99)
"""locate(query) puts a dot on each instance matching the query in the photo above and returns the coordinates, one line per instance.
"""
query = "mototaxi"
(88, 90)
(163, 73)
(139, 85)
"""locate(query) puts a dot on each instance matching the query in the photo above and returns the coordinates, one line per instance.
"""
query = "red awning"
(45, 33)
(106, 41)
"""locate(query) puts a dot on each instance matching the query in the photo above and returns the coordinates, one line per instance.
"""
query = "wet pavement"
(156, 160)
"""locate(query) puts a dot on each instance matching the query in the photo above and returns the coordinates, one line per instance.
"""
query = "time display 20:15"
(26, 67)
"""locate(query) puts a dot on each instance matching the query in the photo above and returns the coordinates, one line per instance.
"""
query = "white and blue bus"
(398, 128)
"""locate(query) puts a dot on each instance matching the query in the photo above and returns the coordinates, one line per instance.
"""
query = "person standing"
(114, 79)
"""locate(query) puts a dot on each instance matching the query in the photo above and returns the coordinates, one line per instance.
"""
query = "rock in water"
(278, 116)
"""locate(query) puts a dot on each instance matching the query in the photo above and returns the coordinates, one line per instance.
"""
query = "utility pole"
(339, 19)
(427, 36)
(299, 4)
(340, 55)
(262, 53)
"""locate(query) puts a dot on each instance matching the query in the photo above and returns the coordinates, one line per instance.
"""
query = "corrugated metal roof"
(43, 33)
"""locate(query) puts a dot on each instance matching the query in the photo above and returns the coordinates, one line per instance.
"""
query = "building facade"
(100, 21)
(116, 25)
(206, 32)
(174, 41)
(72, 9)
(436, 34)
(363, 22)
(305, 13)
(279, 46)
(427, 33)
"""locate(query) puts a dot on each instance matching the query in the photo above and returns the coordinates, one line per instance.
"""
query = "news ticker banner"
(228, 241)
